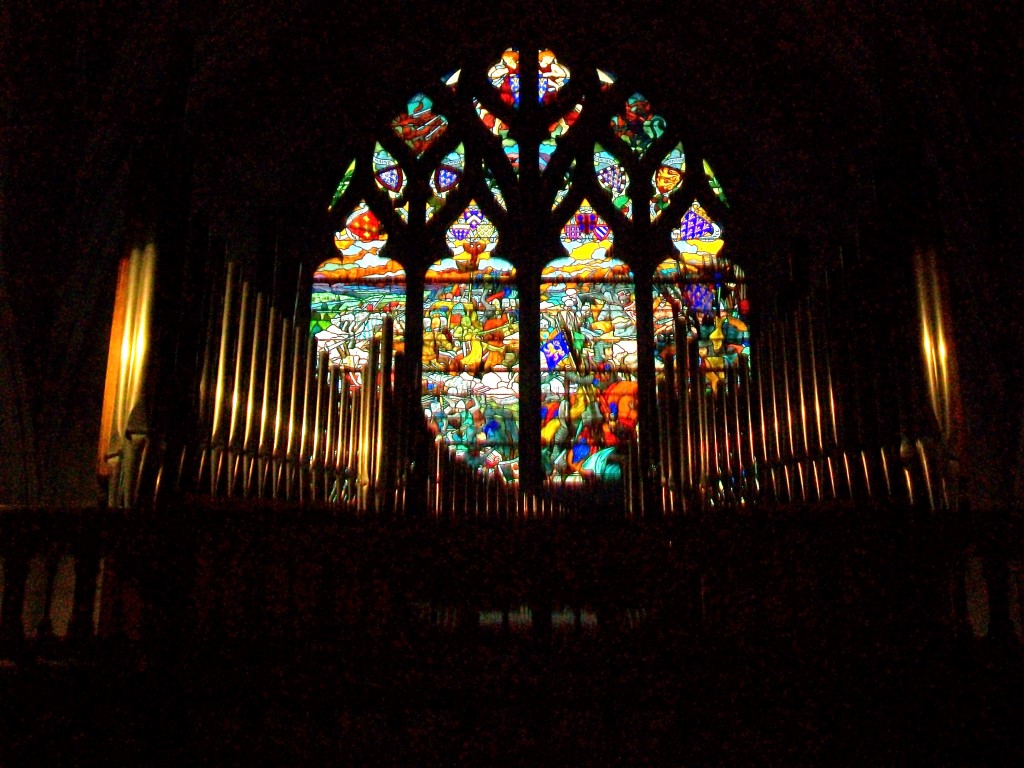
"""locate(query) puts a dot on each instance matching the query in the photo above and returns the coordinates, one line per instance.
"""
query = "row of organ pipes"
(274, 420)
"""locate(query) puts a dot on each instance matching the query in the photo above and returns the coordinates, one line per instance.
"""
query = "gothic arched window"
(502, 204)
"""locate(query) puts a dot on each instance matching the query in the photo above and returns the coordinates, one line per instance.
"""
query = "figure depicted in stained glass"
(420, 127)
(588, 356)
(551, 76)
(354, 291)
(505, 77)
(471, 348)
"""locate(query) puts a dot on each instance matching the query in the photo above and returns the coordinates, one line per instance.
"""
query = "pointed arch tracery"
(449, 167)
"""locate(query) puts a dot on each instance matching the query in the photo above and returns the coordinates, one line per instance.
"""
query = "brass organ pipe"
(262, 447)
(797, 332)
(726, 441)
(277, 461)
(303, 456)
(749, 381)
(204, 390)
(243, 319)
(290, 467)
(381, 473)
(341, 440)
(683, 387)
(246, 456)
(316, 458)
(326, 462)
(352, 447)
(217, 432)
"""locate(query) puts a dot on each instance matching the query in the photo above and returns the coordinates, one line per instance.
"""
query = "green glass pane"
(343, 185)
(716, 187)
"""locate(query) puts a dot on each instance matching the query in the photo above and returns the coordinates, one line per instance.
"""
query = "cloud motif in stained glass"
(504, 76)
(420, 127)
(637, 125)
(471, 238)
(667, 178)
(354, 291)
(614, 180)
(698, 237)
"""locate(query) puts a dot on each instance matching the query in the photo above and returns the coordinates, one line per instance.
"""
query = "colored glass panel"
(445, 178)
(499, 128)
(614, 180)
(420, 127)
(700, 291)
(698, 239)
(452, 80)
(714, 184)
(470, 385)
(343, 185)
(388, 176)
(504, 76)
(566, 185)
(637, 125)
(606, 79)
(667, 178)
(551, 76)
(354, 291)
(493, 187)
(588, 357)
(556, 129)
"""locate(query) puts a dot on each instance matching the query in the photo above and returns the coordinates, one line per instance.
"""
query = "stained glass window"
(588, 356)
(354, 291)
(470, 355)
(588, 371)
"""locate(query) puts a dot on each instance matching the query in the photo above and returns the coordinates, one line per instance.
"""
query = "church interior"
(761, 507)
